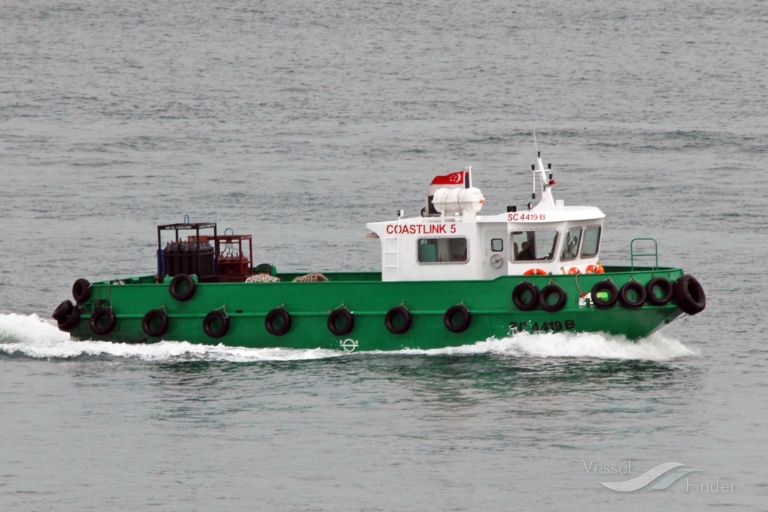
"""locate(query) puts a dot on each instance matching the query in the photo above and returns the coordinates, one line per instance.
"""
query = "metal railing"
(633, 254)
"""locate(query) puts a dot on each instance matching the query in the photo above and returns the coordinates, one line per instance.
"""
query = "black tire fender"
(81, 290)
(182, 287)
(392, 314)
(604, 287)
(547, 292)
(690, 295)
(664, 286)
(155, 323)
(216, 324)
(348, 321)
(278, 321)
(102, 321)
(63, 310)
(625, 295)
(69, 322)
(463, 312)
(520, 292)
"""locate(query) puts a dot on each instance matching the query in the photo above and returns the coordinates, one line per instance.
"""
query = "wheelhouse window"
(591, 245)
(571, 246)
(533, 245)
(442, 250)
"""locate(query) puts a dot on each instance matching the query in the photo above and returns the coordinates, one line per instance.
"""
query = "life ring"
(102, 321)
(216, 324)
(574, 270)
(627, 291)
(63, 310)
(398, 320)
(523, 290)
(547, 292)
(600, 290)
(341, 321)
(463, 324)
(81, 290)
(182, 287)
(690, 295)
(278, 321)
(155, 322)
(534, 272)
(69, 322)
(662, 285)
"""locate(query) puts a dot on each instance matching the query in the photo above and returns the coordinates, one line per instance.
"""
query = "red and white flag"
(458, 179)
(455, 178)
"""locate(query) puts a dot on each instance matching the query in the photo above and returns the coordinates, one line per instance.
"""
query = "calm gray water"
(300, 121)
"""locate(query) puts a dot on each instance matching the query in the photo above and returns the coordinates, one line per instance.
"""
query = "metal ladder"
(389, 266)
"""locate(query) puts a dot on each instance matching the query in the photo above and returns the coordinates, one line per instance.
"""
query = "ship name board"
(420, 229)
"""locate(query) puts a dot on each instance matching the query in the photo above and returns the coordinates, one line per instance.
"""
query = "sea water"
(301, 121)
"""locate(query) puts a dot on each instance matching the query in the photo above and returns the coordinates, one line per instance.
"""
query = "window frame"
(577, 252)
(597, 245)
(513, 258)
(438, 252)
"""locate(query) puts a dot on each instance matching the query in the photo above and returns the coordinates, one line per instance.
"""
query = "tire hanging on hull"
(521, 292)
(465, 318)
(278, 321)
(341, 321)
(690, 295)
(102, 321)
(600, 290)
(81, 290)
(632, 295)
(155, 323)
(63, 310)
(547, 292)
(216, 324)
(182, 287)
(659, 284)
(67, 323)
(398, 320)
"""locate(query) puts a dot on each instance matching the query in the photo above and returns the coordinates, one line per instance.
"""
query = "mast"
(545, 182)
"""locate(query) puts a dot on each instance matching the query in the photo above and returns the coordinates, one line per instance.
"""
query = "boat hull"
(246, 308)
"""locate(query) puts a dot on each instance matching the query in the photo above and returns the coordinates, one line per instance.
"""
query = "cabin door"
(495, 253)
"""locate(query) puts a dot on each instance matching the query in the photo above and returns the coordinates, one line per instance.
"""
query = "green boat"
(449, 277)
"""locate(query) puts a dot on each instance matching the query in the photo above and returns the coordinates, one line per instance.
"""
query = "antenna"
(533, 167)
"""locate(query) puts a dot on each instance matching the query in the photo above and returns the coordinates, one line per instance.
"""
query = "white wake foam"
(29, 329)
(34, 337)
(656, 347)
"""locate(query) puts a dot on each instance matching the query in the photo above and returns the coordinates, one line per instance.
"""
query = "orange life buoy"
(574, 270)
(534, 272)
